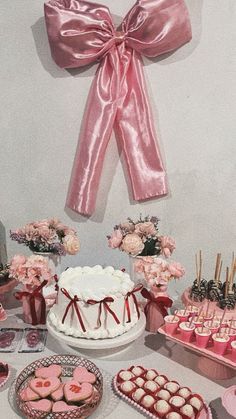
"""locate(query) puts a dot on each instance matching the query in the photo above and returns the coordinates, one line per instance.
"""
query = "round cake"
(95, 303)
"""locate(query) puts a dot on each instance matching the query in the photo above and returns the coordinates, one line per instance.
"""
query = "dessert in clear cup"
(186, 331)
(171, 324)
(202, 336)
(220, 341)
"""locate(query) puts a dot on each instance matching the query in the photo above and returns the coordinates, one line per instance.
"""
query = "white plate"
(108, 343)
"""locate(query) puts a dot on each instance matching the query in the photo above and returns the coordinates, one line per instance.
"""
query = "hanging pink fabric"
(81, 32)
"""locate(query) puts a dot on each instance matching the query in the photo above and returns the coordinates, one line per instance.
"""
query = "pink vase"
(155, 309)
(37, 303)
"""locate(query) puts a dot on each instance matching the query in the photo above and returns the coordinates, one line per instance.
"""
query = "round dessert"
(150, 374)
(171, 386)
(92, 303)
(138, 394)
(162, 407)
(173, 415)
(177, 401)
(164, 394)
(151, 386)
(160, 380)
(187, 410)
(137, 371)
(126, 375)
(127, 386)
(184, 392)
(196, 402)
(139, 381)
(148, 401)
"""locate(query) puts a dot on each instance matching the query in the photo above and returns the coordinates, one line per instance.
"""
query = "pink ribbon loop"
(72, 304)
(80, 33)
(104, 303)
(138, 288)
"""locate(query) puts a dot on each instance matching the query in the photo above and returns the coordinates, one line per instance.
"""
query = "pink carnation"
(132, 244)
(145, 229)
(115, 240)
(71, 244)
(167, 245)
(176, 270)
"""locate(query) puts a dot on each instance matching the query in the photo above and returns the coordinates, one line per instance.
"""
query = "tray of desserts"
(60, 386)
(204, 333)
(155, 396)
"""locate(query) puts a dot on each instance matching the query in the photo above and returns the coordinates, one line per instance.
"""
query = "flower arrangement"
(31, 271)
(141, 238)
(158, 272)
(4, 274)
(48, 235)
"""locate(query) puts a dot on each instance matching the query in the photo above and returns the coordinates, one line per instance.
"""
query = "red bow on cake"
(105, 304)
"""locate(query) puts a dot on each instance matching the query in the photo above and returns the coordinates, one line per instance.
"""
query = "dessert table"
(149, 350)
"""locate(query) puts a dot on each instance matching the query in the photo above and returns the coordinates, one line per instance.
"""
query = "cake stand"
(99, 344)
(210, 363)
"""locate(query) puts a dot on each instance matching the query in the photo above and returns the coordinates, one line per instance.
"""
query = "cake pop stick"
(231, 323)
(218, 258)
(200, 269)
(191, 321)
(199, 313)
(221, 320)
(214, 313)
(227, 282)
(219, 273)
(207, 309)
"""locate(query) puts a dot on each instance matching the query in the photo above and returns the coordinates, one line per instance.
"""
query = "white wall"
(193, 97)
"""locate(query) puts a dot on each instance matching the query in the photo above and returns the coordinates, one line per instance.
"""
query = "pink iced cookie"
(44, 405)
(27, 395)
(62, 407)
(75, 392)
(82, 375)
(45, 386)
(58, 394)
(53, 370)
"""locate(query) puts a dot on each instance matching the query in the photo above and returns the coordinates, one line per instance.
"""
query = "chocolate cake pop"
(199, 290)
(214, 290)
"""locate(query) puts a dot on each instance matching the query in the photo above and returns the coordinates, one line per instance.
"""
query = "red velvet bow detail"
(73, 303)
(37, 293)
(162, 302)
(132, 293)
(104, 302)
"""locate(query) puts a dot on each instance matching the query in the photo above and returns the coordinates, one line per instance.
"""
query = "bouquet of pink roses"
(158, 272)
(31, 271)
(141, 238)
(48, 235)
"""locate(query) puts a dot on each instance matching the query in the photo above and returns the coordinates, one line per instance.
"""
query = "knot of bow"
(73, 303)
(132, 294)
(105, 304)
(162, 302)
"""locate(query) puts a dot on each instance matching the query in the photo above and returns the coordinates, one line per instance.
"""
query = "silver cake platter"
(99, 344)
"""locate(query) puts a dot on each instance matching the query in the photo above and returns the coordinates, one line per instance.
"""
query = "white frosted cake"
(95, 303)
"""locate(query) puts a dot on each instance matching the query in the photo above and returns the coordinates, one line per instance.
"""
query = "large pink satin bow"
(81, 32)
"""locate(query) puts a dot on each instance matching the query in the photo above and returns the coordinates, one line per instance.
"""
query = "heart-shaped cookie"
(45, 386)
(75, 392)
(44, 405)
(53, 370)
(58, 394)
(27, 395)
(82, 375)
(62, 407)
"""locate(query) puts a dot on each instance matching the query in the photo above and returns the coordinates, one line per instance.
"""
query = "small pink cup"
(183, 315)
(192, 310)
(198, 321)
(214, 327)
(231, 333)
(185, 331)
(171, 324)
(220, 341)
(233, 347)
(202, 336)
